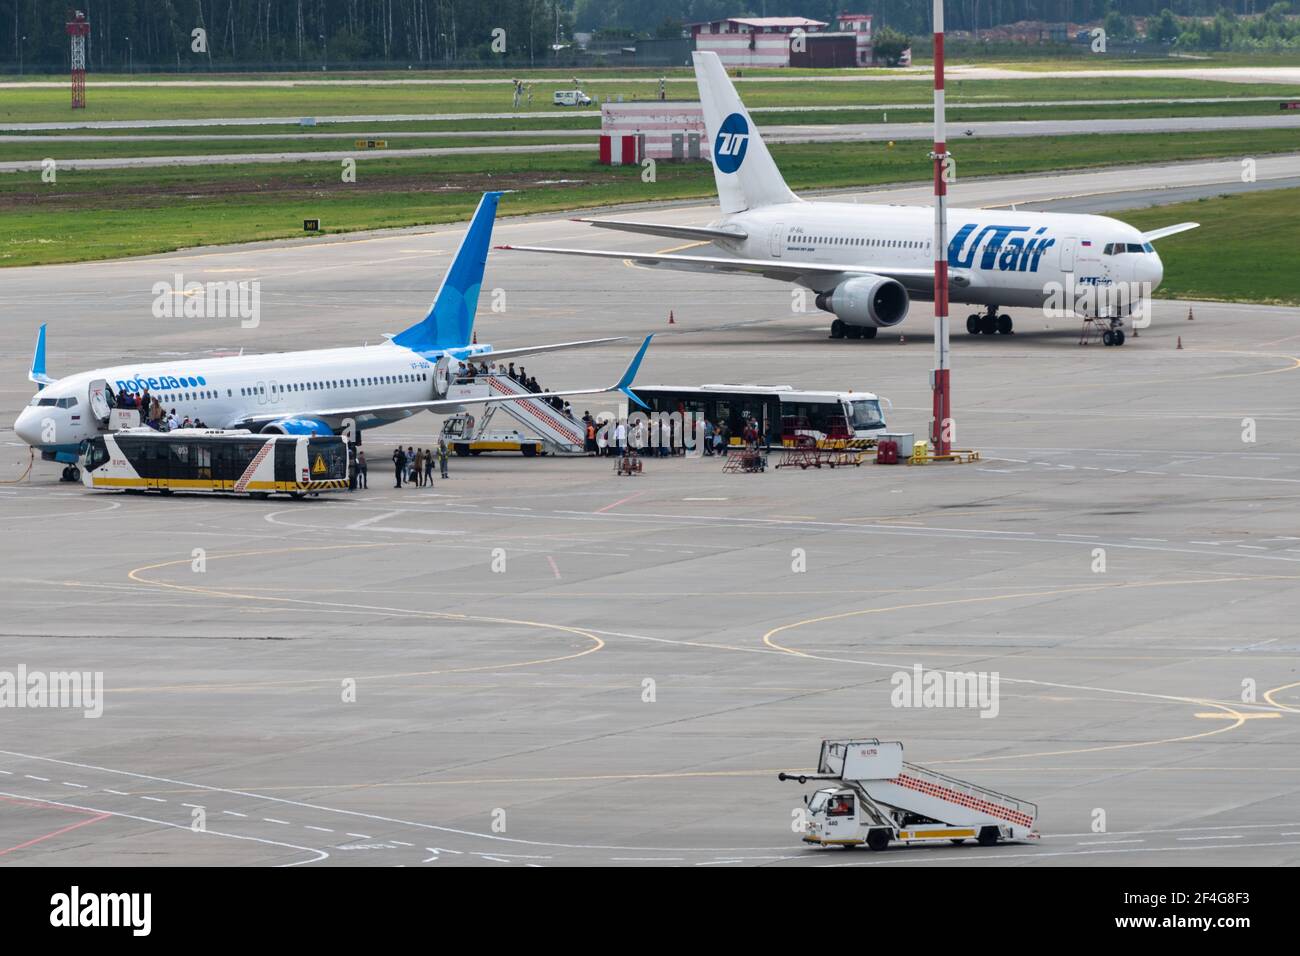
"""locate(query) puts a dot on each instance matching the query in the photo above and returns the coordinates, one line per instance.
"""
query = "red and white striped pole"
(941, 428)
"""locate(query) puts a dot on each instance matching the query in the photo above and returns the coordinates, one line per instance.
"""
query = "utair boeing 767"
(865, 263)
(302, 393)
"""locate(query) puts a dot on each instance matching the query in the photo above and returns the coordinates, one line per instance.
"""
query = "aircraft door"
(261, 393)
(1067, 253)
(777, 240)
(98, 398)
(273, 395)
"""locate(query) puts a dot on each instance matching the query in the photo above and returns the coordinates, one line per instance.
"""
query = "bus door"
(201, 462)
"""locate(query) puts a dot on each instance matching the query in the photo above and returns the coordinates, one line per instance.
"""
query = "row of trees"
(908, 16)
(1274, 30)
(159, 33)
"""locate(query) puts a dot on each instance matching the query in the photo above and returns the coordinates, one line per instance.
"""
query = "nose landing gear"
(71, 473)
(990, 323)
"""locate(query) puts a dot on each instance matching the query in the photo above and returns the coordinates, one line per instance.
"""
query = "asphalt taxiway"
(625, 688)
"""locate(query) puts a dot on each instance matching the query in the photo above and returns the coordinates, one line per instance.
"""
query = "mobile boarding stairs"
(559, 432)
(876, 798)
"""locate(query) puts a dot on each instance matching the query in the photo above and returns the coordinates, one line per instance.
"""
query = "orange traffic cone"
(1189, 314)
(671, 320)
(474, 341)
(1180, 341)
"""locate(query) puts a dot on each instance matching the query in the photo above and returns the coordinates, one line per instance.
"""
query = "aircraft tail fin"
(37, 372)
(450, 321)
(746, 175)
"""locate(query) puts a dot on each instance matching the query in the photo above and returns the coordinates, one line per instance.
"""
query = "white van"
(570, 98)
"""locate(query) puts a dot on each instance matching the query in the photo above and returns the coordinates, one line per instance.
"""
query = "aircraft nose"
(28, 427)
(1151, 269)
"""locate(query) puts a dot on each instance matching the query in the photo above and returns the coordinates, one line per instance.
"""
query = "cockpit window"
(1147, 247)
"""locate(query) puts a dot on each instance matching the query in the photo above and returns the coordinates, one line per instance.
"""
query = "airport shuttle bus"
(783, 413)
(212, 460)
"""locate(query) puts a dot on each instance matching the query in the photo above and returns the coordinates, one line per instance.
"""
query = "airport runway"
(504, 719)
(838, 133)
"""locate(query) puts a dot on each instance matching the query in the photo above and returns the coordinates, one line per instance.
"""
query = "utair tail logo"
(1002, 250)
(733, 139)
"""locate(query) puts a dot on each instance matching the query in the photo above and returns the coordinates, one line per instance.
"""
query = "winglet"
(625, 383)
(1155, 234)
(450, 321)
(37, 373)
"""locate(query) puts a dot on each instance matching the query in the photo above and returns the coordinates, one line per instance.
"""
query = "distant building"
(752, 41)
(654, 129)
(859, 24)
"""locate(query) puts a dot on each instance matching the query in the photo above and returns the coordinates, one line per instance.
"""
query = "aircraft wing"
(788, 270)
(623, 385)
(702, 233)
(493, 355)
(1160, 233)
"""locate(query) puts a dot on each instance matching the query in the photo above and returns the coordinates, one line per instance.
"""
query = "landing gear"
(990, 323)
(71, 473)
(1112, 337)
(842, 330)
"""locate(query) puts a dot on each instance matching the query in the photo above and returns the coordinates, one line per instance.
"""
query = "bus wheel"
(462, 450)
(988, 836)
(260, 495)
(878, 839)
(295, 495)
(956, 842)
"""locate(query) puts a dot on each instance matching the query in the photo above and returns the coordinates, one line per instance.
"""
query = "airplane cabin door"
(777, 240)
(98, 398)
(1067, 253)
(261, 393)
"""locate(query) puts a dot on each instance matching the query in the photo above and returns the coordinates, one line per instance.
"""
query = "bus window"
(326, 458)
(96, 454)
(179, 460)
(866, 414)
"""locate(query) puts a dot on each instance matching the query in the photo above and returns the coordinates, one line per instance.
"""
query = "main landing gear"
(842, 330)
(990, 323)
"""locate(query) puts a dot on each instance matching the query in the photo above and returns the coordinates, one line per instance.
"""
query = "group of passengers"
(520, 377)
(415, 465)
(152, 411)
(614, 441)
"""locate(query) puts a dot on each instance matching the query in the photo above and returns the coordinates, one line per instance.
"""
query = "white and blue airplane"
(306, 392)
(867, 262)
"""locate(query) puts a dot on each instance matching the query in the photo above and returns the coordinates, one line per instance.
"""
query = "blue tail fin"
(450, 321)
(625, 383)
(37, 373)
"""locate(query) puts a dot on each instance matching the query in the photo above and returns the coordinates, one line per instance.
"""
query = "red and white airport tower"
(78, 29)
(941, 429)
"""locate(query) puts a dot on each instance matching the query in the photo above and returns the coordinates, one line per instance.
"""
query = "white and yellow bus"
(212, 460)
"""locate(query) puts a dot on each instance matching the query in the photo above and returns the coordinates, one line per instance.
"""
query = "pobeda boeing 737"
(303, 393)
(867, 262)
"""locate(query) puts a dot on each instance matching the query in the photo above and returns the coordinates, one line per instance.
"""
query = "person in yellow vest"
(442, 456)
